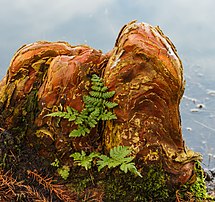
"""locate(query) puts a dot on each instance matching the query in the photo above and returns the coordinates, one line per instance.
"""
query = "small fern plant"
(119, 156)
(81, 159)
(97, 107)
(63, 171)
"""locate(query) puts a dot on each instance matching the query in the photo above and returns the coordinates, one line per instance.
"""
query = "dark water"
(188, 23)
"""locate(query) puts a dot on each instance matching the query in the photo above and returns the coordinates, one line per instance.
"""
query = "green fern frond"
(107, 116)
(119, 156)
(79, 121)
(110, 104)
(103, 162)
(125, 167)
(95, 113)
(92, 101)
(71, 110)
(70, 114)
(113, 163)
(90, 108)
(96, 109)
(104, 89)
(92, 119)
(99, 88)
(119, 152)
(108, 95)
(78, 156)
(89, 100)
(96, 94)
(57, 114)
(96, 78)
(83, 160)
(96, 88)
(81, 131)
(98, 84)
(76, 133)
(82, 117)
(92, 123)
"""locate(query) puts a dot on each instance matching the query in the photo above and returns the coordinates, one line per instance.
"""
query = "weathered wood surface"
(144, 70)
(147, 75)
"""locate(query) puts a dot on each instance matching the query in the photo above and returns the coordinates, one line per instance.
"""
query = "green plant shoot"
(64, 172)
(119, 156)
(97, 107)
(83, 160)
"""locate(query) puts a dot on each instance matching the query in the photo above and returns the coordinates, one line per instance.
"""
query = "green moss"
(195, 190)
(118, 186)
(126, 187)
(80, 179)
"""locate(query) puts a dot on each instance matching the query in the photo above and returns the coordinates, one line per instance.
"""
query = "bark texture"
(143, 69)
(147, 75)
(44, 77)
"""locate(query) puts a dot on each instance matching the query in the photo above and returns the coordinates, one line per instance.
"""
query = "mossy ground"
(107, 185)
(126, 187)
(117, 186)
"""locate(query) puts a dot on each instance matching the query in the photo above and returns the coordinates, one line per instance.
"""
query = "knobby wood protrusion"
(146, 74)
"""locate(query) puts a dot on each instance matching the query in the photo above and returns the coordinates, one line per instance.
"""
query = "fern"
(120, 152)
(107, 95)
(82, 160)
(99, 88)
(71, 114)
(107, 116)
(119, 156)
(110, 104)
(96, 109)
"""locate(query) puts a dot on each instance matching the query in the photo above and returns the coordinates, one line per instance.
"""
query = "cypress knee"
(44, 77)
(147, 75)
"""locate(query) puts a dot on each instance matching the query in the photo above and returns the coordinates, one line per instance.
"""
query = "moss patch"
(127, 187)
(120, 187)
(195, 188)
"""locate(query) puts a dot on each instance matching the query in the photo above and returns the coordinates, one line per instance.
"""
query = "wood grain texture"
(147, 75)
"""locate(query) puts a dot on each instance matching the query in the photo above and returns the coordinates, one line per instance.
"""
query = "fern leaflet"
(83, 160)
(107, 116)
(96, 109)
(81, 131)
(71, 114)
(110, 104)
(120, 152)
(119, 156)
(107, 95)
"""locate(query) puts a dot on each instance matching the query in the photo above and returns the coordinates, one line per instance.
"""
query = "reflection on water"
(97, 23)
